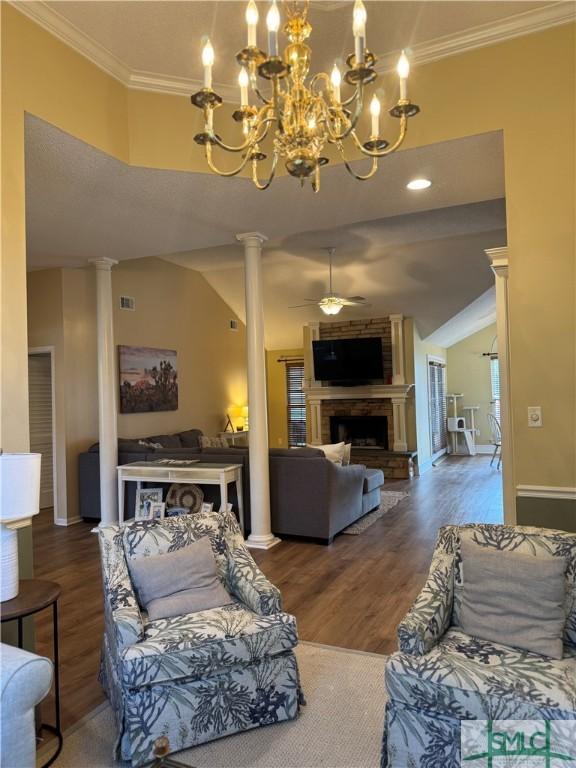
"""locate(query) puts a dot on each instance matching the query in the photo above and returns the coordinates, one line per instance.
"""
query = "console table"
(174, 471)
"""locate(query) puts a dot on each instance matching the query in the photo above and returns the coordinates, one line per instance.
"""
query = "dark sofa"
(309, 495)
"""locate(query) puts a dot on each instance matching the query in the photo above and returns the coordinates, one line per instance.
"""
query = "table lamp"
(19, 502)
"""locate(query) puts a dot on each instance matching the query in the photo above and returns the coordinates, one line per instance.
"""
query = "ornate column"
(399, 411)
(498, 258)
(397, 333)
(261, 536)
(107, 386)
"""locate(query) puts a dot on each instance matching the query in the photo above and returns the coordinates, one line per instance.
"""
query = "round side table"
(35, 595)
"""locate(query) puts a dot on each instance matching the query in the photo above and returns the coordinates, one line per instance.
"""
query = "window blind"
(495, 386)
(437, 404)
(296, 404)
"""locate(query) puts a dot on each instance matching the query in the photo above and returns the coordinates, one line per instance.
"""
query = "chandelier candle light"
(306, 113)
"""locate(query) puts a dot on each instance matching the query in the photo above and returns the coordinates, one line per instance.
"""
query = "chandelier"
(305, 113)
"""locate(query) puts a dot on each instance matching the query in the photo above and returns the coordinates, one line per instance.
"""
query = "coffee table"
(167, 471)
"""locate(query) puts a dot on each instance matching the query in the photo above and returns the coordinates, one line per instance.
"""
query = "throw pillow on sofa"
(213, 442)
(166, 441)
(333, 452)
(513, 598)
(180, 582)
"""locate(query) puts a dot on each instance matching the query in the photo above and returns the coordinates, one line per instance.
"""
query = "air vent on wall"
(233, 325)
(128, 302)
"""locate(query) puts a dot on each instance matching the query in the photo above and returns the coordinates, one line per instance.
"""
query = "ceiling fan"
(331, 303)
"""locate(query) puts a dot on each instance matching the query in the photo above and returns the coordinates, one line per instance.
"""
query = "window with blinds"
(296, 404)
(437, 405)
(40, 413)
(495, 387)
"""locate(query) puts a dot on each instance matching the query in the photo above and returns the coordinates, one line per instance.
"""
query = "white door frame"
(55, 479)
(498, 258)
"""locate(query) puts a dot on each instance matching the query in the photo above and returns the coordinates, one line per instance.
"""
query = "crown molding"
(525, 23)
(493, 32)
(181, 86)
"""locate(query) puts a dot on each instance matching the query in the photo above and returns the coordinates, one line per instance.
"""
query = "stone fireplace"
(364, 423)
(360, 431)
(373, 416)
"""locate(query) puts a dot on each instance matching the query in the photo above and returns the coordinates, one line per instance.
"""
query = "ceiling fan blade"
(300, 306)
(355, 298)
(354, 303)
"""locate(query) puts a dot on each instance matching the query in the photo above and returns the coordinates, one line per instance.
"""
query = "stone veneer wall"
(364, 407)
(394, 465)
(359, 329)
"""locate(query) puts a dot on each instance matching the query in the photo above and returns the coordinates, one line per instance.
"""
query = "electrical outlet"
(534, 416)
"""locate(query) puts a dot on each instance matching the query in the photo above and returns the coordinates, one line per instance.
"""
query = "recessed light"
(419, 184)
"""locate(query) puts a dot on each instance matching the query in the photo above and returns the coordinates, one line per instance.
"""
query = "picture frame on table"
(145, 498)
(157, 509)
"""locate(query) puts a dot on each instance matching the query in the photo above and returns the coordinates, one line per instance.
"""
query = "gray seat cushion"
(373, 479)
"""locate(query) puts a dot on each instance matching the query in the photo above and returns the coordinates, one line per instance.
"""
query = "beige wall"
(277, 395)
(175, 309)
(469, 373)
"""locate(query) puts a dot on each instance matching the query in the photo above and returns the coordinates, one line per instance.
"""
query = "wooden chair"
(496, 438)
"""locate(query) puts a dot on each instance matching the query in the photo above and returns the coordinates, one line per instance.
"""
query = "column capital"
(251, 237)
(498, 258)
(103, 263)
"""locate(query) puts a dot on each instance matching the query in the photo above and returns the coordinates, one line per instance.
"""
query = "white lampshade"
(19, 486)
(19, 502)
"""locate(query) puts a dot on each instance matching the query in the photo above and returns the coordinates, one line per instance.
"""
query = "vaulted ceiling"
(420, 253)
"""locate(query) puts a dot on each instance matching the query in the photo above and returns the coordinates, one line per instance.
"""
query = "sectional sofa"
(310, 496)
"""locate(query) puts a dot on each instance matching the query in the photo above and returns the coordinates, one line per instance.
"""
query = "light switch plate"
(534, 416)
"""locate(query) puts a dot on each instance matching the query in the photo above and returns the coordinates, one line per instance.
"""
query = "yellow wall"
(469, 373)
(508, 86)
(277, 397)
(176, 309)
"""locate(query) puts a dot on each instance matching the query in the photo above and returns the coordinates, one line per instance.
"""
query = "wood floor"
(351, 594)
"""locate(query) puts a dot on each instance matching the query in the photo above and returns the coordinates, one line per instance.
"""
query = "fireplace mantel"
(397, 393)
(367, 392)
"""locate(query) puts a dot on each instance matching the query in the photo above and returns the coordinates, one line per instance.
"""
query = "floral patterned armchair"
(441, 676)
(200, 676)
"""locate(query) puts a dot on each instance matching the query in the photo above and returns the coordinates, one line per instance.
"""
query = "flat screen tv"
(348, 360)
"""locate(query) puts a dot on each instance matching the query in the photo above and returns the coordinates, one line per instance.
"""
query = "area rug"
(388, 502)
(340, 726)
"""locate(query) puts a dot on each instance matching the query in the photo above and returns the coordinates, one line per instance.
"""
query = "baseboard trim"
(66, 521)
(545, 492)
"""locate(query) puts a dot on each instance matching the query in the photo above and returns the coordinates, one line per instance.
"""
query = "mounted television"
(348, 360)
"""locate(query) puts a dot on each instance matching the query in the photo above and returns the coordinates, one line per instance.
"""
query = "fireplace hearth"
(361, 431)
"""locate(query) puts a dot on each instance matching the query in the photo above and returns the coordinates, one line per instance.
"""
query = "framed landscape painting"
(148, 379)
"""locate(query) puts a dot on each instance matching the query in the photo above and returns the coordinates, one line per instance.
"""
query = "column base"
(254, 541)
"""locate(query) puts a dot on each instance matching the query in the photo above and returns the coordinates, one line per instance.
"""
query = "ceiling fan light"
(330, 307)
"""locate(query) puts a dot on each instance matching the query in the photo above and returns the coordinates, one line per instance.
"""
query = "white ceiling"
(156, 44)
(416, 253)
